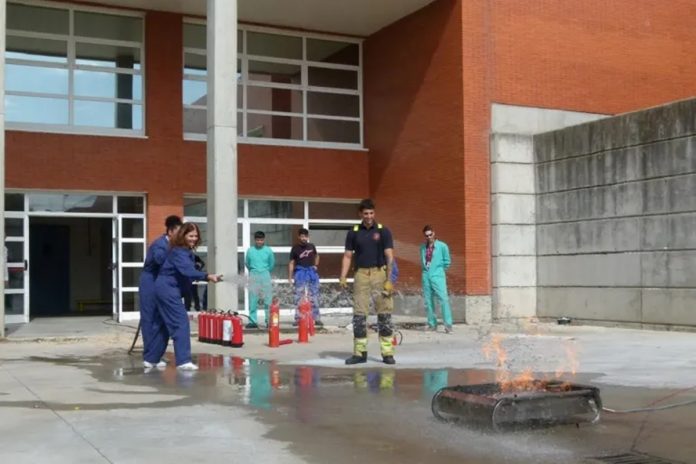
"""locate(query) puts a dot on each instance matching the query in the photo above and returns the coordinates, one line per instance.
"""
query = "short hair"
(179, 239)
(259, 234)
(427, 228)
(302, 231)
(172, 222)
(367, 203)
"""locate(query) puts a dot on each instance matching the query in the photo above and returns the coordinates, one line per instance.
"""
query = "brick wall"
(414, 130)
(593, 55)
(165, 166)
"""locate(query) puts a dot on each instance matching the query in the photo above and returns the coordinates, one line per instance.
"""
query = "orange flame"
(525, 381)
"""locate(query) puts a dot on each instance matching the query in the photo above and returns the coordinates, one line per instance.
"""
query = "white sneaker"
(189, 366)
(149, 365)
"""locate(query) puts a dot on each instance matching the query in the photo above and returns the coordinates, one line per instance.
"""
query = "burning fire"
(525, 381)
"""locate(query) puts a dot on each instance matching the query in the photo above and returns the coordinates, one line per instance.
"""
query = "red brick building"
(337, 101)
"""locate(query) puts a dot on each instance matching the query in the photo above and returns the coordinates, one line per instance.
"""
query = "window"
(292, 88)
(280, 220)
(74, 69)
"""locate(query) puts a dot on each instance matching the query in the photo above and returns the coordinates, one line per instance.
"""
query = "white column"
(2, 164)
(222, 151)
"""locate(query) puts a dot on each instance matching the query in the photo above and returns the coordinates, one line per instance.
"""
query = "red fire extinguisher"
(237, 331)
(305, 310)
(218, 327)
(211, 326)
(203, 327)
(200, 327)
(227, 329)
(274, 325)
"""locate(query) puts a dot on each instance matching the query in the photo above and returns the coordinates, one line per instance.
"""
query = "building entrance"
(72, 254)
(71, 266)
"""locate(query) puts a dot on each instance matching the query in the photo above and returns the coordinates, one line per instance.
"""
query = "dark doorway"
(49, 276)
(70, 266)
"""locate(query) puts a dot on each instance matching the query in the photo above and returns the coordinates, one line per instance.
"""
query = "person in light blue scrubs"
(260, 262)
(151, 323)
(435, 261)
(173, 282)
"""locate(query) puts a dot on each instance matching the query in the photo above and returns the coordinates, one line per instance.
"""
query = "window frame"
(72, 66)
(245, 219)
(304, 87)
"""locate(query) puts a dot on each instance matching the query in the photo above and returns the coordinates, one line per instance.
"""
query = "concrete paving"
(84, 399)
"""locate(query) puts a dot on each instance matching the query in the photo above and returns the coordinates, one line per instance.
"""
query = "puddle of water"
(367, 415)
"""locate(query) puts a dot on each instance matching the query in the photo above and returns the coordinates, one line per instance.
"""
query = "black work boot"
(355, 359)
(389, 359)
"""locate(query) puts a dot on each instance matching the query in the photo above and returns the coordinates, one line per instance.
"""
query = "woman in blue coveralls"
(151, 323)
(175, 279)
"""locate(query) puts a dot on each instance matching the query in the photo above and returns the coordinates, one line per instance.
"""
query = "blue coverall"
(307, 277)
(260, 261)
(435, 282)
(174, 280)
(151, 323)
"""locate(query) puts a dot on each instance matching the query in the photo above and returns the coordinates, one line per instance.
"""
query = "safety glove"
(388, 288)
(343, 282)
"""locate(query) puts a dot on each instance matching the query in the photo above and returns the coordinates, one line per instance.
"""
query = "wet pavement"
(81, 407)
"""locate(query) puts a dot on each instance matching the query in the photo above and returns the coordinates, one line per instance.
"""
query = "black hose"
(655, 408)
(135, 339)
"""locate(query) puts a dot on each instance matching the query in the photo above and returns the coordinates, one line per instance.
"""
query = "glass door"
(130, 254)
(15, 273)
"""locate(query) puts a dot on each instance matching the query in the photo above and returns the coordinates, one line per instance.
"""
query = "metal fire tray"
(543, 403)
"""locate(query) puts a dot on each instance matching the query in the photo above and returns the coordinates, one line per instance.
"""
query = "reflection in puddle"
(373, 414)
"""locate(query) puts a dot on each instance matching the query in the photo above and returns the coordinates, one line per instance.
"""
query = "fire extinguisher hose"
(135, 339)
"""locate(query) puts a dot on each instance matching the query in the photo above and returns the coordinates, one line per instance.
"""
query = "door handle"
(112, 266)
(26, 265)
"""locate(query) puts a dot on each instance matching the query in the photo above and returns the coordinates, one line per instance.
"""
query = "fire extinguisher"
(303, 326)
(200, 326)
(210, 327)
(227, 329)
(274, 325)
(218, 328)
(237, 331)
(203, 327)
(213, 328)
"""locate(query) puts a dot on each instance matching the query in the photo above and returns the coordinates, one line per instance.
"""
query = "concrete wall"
(616, 210)
(513, 203)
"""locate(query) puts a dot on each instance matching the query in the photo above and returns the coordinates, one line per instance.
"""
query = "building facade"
(106, 126)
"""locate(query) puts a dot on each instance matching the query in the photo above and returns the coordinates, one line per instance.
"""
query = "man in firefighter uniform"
(372, 246)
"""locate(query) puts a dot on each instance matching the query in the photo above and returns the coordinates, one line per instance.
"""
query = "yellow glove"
(343, 282)
(388, 287)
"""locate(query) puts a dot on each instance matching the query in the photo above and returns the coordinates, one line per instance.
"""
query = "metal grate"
(631, 458)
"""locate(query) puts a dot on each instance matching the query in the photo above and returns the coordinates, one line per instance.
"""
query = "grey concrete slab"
(669, 306)
(515, 148)
(669, 268)
(602, 270)
(600, 304)
(513, 209)
(603, 236)
(512, 119)
(671, 231)
(41, 435)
